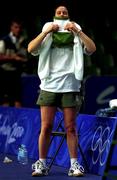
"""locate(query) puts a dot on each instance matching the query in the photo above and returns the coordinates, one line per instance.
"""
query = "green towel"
(60, 39)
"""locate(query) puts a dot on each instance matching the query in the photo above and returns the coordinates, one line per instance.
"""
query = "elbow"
(92, 49)
(29, 49)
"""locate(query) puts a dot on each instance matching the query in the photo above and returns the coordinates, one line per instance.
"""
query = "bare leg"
(47, 117)
(70, 125)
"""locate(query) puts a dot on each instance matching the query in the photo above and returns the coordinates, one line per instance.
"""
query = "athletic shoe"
(39, 169)
(76, 170)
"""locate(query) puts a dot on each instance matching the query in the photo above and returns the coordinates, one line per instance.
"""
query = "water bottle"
(22, 155)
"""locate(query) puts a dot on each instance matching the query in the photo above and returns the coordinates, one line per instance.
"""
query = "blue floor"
(16, 171)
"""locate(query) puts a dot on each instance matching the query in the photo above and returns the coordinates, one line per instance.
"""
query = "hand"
(71, 27)
(52, 28)
(55, 27)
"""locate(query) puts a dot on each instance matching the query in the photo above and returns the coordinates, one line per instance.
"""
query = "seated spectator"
(13, 56)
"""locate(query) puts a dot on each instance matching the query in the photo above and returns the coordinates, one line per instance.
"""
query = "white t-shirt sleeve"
(37, 52)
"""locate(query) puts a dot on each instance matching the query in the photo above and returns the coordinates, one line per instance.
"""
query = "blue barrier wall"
(99, 90)
(22, 125)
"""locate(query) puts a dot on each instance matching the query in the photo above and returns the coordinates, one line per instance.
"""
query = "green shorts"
(69, 99)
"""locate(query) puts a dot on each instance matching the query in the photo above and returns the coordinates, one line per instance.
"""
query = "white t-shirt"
(61, 76)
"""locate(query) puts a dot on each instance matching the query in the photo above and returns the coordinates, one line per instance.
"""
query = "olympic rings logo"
(100, 144)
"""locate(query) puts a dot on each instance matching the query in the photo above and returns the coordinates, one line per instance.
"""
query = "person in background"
(60, 47)
(13, 56)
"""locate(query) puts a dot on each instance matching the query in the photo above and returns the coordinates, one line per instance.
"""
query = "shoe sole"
(76, 175)
(35, 174)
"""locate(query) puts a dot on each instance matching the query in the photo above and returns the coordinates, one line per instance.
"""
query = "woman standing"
(60, 47)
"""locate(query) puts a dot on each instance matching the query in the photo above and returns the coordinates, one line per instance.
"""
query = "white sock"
(73, 160)
(43, 161)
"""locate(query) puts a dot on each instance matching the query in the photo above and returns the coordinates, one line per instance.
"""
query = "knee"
(71, 130)
(46, 129)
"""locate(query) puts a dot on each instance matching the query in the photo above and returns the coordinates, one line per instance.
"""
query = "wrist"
(79, 31)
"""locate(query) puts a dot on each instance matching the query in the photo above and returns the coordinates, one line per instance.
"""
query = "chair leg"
(84, 159)
(53, 158)
(56, 130)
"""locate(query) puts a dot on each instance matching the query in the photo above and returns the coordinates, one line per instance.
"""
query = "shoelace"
(37, 164)
(78, 166)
